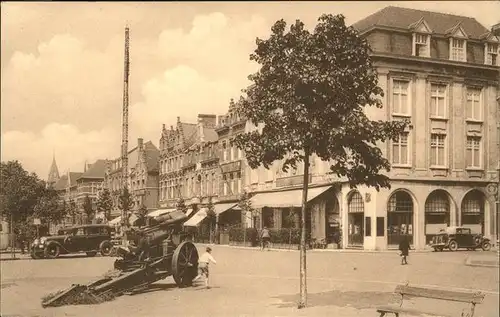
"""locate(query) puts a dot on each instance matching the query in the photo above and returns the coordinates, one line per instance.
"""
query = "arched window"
(437, 213)
(356, 215)
(399, 217)
(356, 203)
(472, 211)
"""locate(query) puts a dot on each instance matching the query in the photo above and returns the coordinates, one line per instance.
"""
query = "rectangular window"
(474, 103)
(368, 225)
(224, 152)
(400, 97)
(457, 50)
(492, 54)
(473, 152)
(214, 185)
(438, 149)
(422, 45)
(224, 181)
(400, 150)
(438, 101)
(380, 226)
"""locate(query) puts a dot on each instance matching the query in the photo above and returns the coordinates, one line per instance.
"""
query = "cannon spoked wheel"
(185, 264)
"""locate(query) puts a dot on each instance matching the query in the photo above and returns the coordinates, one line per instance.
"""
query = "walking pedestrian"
(265, 237)
(203, 263)
(404, 248)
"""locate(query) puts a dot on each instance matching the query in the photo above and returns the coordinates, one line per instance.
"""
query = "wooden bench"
(445, 295)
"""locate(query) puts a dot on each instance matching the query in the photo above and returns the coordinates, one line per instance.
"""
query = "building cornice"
(435, 61)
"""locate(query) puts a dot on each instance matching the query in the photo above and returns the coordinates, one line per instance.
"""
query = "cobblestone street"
(251, 282)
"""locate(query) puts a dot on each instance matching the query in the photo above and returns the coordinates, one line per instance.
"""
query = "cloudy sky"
(62, 67)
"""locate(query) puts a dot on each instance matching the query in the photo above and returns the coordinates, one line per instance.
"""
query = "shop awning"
(197, 218)
(159, 212)
(220, 208)
(285, 199)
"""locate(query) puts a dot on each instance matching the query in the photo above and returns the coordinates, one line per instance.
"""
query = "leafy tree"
(49, 209)
(309, 97)
(71, 210)
(211, 217)
(245, 205)
(19, 193)
(125, 203)
(105, 203)
(88, 209)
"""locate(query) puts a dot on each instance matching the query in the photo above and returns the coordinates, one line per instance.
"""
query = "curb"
(482, 263)
(310, 250)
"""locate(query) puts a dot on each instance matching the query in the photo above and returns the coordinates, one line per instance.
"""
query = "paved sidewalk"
(313, 250)
(483, 260)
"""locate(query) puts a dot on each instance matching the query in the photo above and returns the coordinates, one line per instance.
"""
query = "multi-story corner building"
(189, 162)
(440, 71)
(495, 29)
(142, 179)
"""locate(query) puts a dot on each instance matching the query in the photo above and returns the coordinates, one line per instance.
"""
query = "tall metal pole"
(124, 153)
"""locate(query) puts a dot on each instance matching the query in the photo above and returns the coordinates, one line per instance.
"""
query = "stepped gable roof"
(96, 170)
(403, 18)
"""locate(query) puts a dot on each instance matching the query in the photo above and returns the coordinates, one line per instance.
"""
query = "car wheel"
(106, 248)
(440, 249)
(93, 253)
(34, 255)
(486, 246)
(453, 245)
(435, 249)
(52, 251)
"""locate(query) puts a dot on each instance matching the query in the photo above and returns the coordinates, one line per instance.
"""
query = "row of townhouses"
(439, 71)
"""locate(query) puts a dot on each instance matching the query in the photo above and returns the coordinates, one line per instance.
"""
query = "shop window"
(368, 230)
(380, 226)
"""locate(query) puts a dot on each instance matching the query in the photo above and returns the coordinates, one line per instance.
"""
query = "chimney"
(200, 129)
(139, 144)
(164, 126)
(171, 128)
(179, 119)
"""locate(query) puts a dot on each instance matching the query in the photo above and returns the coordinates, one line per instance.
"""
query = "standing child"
(203, 263)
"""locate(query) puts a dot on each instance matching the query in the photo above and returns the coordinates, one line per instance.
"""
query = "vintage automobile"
(453, 238)
(90, 239)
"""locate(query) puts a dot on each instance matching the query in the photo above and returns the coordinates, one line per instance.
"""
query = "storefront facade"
(378, 220)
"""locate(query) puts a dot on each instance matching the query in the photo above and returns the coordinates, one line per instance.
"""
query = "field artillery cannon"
(162, 250)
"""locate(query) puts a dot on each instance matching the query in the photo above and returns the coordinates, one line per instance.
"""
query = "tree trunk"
(303, 278)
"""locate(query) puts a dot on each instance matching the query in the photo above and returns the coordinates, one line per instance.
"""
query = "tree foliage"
(105, 203)
(49, 208)
(125, 203)
(20, 191)
(310, 94)
(310, 97)
(246, 207)
(88, 208)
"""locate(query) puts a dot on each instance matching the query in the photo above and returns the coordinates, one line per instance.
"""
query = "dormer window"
(458, 43)
(492, 53)
(421, 38)
(457, 51)
(421, 45)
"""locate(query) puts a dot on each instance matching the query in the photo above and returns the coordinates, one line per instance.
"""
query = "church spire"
(54, 172)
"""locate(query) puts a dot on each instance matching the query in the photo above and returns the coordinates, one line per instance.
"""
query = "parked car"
(90, 239)
(454, 238)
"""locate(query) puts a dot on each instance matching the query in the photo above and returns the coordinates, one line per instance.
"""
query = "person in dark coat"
(404, 248)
